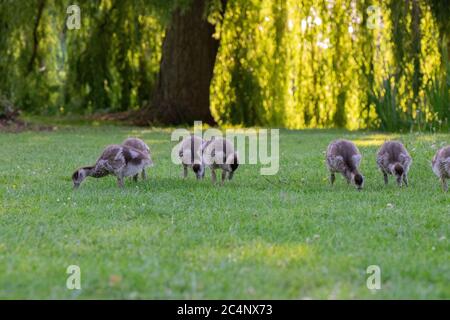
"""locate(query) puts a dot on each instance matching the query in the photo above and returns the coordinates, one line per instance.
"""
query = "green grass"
(287, 236)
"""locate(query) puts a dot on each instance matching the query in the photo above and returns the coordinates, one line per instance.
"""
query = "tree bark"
(189, 53)
(188, 57)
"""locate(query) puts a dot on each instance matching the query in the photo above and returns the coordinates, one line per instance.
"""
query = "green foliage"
(286, 63)
(318, 64)
(110, 64)
(387, 106)
(438, 95)
(115, 62)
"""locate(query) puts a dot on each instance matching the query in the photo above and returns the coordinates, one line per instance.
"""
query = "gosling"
(394, 159)
(219, 153)
(344, 157)
(441, 166)
(140, 145)
(190, 153)
(118, 160)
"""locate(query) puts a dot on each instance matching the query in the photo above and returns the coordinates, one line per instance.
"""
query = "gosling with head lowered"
(394, 159)
(219, 153)
(141, 146)
(190, 153)
(119, 160)
(441, 166)
(344, 157)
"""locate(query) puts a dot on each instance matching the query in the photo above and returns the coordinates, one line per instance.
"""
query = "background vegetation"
(294, 64)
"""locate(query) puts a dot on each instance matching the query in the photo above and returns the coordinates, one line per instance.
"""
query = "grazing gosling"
(118, 160)
(190, 153)
(343, 156)
(394, 159)
(441, 166)
(140, 145)
(219, 154)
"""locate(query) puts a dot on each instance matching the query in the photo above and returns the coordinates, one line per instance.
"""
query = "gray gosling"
(441, 166)
(190, 153)
(118, 160)
(344, 157)
(219, 153)
(140, 145)
(394, 159)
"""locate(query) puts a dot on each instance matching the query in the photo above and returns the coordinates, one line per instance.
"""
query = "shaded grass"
(285, 236)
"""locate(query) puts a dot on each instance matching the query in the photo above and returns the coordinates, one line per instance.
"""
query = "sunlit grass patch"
(259, 252)
(369, 143)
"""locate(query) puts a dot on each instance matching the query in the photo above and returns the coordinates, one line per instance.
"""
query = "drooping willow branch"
(41, 7)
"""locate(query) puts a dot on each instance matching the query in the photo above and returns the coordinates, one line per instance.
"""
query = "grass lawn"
(289, 236)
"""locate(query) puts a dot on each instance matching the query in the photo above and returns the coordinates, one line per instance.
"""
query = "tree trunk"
(188, 57)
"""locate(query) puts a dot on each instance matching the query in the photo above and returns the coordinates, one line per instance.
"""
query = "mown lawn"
(288, 236)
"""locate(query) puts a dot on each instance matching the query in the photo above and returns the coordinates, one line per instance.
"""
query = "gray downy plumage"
(344, 157)
(140, 145)
(118, 160)
(394, 159)
(441, 166)
(190, 153)
(219, 153)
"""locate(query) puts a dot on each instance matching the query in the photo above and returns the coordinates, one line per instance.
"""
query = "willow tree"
(188, 57)
(441, 12)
